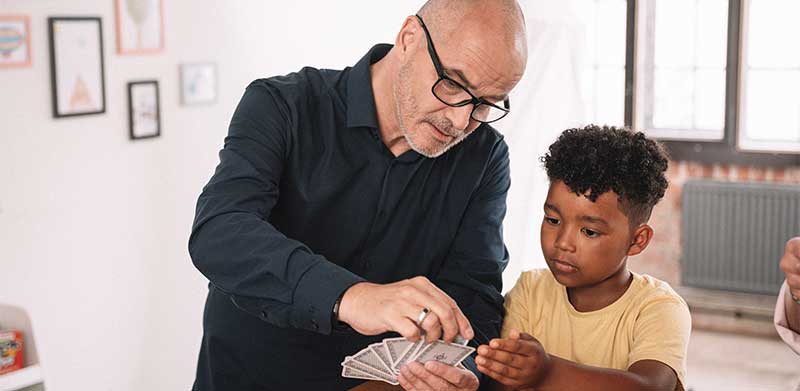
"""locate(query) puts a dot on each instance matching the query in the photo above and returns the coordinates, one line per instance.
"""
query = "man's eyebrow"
(460, 75)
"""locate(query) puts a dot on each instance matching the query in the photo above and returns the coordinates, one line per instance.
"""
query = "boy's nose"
(564, 243)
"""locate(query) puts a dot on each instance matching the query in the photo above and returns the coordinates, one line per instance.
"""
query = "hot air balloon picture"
(76, 66)
(15, 41)
(140, 26)
(144, 113)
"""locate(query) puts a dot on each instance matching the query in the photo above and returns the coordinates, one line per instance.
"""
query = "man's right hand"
(372, 309)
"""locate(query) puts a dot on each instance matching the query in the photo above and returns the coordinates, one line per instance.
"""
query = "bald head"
(505, 16)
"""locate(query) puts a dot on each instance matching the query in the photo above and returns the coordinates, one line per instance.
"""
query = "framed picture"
(140, 26)
(198, 83)
(15, 41)
(76, 66)
(143, 108)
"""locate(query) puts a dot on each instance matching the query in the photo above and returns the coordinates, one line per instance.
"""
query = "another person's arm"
(787, 311)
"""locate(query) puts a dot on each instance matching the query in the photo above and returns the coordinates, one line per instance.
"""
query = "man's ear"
(409, 34)
(641, 238)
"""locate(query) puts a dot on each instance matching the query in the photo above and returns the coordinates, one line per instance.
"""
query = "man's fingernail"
(430, 365)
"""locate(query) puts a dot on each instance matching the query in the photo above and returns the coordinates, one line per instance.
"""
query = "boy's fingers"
(518, 346)
(511, 359)
(498, 376)
(498, 367)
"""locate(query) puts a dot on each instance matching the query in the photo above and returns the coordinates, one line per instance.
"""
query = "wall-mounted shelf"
(21, 378)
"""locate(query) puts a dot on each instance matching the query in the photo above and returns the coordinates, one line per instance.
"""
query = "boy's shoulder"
(647, 290)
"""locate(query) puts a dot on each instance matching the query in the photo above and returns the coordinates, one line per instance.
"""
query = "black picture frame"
(55, 71)
(138, 113)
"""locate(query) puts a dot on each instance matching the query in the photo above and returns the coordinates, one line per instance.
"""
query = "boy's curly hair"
(599, 159)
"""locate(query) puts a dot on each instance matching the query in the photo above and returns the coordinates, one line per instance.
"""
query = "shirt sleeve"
(517, 307)
(791, 337)
(472, 271)
(661, 333)
(274, 277)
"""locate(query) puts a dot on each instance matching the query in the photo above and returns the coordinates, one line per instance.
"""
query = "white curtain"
(546, 102)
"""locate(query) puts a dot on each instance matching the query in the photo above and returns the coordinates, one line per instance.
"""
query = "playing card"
(391, 379)
(407, 356)
(368, 357)
(396, 347)
(447, 353)
(380, 350)
(356, 374)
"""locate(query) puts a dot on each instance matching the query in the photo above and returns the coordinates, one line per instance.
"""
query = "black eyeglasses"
(453, 94)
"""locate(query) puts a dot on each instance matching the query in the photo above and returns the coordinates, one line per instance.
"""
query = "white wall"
(94, 227)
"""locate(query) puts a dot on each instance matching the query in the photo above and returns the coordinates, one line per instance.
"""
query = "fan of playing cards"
(383, 361)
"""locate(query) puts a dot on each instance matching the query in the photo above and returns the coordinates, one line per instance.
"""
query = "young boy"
(588, 323)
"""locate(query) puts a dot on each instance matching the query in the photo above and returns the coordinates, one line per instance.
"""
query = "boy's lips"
(564, 267)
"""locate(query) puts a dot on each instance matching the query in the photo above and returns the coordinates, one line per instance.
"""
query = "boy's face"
(586, 242)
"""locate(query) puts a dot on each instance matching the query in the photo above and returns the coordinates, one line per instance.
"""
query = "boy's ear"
(641, 238)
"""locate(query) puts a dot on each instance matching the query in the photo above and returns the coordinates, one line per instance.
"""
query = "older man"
(787, 310)
(349, 204)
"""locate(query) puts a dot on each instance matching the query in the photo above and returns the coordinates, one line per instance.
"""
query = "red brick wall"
(661, 259)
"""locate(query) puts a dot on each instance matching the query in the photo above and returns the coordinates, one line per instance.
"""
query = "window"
(603, 71)
(683, 68)
(770, 97)
(717, 80)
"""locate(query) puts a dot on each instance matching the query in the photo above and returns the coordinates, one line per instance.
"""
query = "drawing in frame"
(76, 66)
(144, 113)
(15, 41)
(140, 26)
(198, 83)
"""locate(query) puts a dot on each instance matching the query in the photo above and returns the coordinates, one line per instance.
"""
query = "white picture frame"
(198, 83)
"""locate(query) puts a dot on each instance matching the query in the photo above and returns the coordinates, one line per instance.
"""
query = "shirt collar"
(360, 99)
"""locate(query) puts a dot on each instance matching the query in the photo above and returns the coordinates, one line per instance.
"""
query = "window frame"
(725, 151)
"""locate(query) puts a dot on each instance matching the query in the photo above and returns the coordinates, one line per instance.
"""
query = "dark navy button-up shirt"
(307, 201)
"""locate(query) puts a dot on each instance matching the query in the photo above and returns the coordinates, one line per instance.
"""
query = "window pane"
(709, 105)
(770, 102)
(772, 106)
(682, 57)
(610, 98)
(603, 63)
(673, 99)
(772, 33)
(675, 35)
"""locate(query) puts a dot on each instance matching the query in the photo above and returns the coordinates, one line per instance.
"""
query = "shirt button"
(367, 264)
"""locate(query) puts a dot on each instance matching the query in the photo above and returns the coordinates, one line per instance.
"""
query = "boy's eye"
(551, 220)
(592, 234)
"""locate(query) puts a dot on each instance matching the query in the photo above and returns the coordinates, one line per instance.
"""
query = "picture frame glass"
(144, 110)
(139, 26)
(14, 41)
(198, 83)
(78, 66)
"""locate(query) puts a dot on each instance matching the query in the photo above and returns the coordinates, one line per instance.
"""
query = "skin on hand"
(372, 309)
(519, 361)
(790, 264)
(436, 376)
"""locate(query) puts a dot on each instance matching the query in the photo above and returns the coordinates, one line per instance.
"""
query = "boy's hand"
(518, 361)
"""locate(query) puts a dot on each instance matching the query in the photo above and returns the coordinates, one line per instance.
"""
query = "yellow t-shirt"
(648, 322)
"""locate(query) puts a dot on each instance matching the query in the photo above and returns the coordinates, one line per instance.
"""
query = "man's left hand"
(435, 376)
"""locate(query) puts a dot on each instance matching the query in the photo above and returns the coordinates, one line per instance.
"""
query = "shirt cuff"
(791, 337)
(316, 293)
